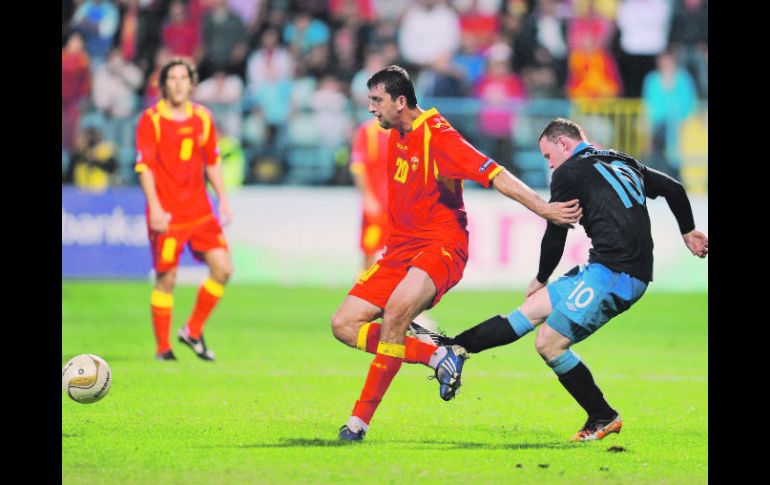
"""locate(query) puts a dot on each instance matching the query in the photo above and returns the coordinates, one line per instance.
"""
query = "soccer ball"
(86, 378)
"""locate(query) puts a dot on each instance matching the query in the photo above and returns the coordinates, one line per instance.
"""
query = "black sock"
(579, 382)
(491, 333)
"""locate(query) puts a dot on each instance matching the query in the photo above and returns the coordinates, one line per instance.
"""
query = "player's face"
(178, 85)
(383, 107)
(555, 153)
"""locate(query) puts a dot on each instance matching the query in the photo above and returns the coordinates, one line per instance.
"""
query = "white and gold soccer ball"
(86, 378)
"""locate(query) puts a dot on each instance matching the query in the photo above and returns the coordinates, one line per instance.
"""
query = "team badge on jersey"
(441, 123)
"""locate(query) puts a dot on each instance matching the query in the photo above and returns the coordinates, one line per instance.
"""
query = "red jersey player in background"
(176, 142)
(367, 166)
(427, 246)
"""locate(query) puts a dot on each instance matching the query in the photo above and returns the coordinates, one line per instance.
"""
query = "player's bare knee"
(165, 287)
(166, 281)
(221, 270)
(338, 324)
(223, 274)
(343, 328)
(545, 346)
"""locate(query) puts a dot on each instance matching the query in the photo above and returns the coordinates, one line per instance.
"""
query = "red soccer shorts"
(373, 233)
(202, 235)
(444, 265)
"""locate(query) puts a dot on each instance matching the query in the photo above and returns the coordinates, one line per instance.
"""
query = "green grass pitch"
(269, 409)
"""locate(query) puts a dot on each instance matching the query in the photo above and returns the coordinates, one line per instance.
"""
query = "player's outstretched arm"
(560, 213)
(697, 243)
(659, 183)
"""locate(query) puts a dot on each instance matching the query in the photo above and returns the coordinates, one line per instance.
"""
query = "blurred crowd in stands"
(286, 79)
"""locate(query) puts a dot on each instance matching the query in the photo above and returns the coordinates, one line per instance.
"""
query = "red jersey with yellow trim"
(426, 168)
(175, 152)
(369, 156)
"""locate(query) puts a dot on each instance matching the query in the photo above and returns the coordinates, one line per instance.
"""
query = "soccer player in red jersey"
(176, 143)
(368, 166)
(427, 246)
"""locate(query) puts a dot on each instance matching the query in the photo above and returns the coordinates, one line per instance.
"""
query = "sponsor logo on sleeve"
(486, 165)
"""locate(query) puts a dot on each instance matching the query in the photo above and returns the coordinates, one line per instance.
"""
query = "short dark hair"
(562, 127)
(178, 61)
(396, 82)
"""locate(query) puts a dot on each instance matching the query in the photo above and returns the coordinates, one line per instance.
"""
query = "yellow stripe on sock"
(161, 300)
(213, 287)
(362, 333)
(393, 350)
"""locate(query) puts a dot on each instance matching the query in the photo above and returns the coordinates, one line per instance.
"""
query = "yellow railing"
(613, 122)
(694, 149)
(620, 124)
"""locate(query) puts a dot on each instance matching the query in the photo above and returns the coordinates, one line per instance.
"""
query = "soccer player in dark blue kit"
(612, 188)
